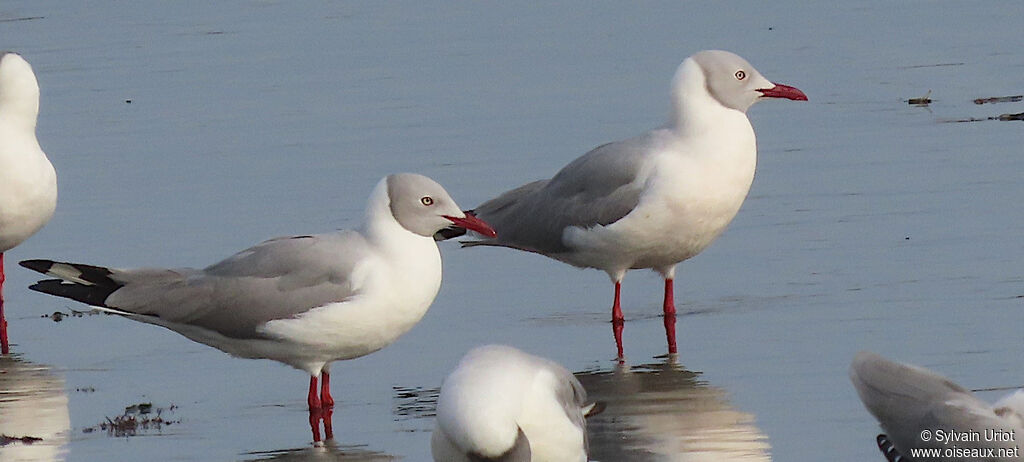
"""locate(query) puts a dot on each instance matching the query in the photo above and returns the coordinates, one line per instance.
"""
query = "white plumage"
(653, 200)
(28, 183)
(503, 404)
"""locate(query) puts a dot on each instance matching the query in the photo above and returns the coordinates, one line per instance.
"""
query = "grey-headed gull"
(921, 410)
(28, 183)
(302, 300)
(650, 201)
(503, 404)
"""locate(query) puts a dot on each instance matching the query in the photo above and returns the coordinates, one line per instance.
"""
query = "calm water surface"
(183, 134)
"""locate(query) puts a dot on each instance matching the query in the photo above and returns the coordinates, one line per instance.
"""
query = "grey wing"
(276, 279)
(571, 394)
(598, 188)
(907, 399)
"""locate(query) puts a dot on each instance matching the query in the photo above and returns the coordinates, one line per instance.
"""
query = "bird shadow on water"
(662, 411)
(34, 419)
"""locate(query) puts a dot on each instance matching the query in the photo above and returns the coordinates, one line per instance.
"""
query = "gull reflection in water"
(663, 412)
(328, 450)
(34, 419)
(324, 448)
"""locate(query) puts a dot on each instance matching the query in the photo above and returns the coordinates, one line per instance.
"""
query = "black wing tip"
(888, 449)
(90, 295)
(95, 289)
(44, 285)
(98, 275)
(37, 265)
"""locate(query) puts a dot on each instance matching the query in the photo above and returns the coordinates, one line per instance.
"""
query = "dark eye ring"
(740, 75)
(427, 200)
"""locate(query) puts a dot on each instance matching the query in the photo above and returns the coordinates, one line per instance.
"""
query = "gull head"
(422, 206)
(735, 84)
(19, 91)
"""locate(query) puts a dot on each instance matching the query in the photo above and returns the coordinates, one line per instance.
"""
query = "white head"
(19, 91)
(729, 79)
(423, 207)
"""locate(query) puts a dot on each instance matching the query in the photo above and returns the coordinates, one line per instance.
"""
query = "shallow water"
(182, 134)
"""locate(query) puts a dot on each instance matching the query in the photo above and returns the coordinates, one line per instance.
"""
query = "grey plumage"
(598, 188)
(276, 279)
(907, 399)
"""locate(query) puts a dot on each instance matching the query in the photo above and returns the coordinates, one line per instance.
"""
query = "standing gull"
(302, 300)
(650, 201)
(500, 404)
(913, 405)
(28, 183)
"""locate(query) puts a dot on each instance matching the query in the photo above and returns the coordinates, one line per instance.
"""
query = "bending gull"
(500, 404)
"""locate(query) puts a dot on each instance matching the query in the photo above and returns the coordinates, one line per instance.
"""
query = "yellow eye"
(740, 75)
(427, 200)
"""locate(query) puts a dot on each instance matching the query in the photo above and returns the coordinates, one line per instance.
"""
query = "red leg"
(618, 321)
(669, 308)
(313, 399)
(326, 401)
(5, 347)
(315, 416)
(328, 424)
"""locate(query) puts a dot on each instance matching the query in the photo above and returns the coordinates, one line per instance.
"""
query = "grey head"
(422, 206)
(735, 84)
(19, 91)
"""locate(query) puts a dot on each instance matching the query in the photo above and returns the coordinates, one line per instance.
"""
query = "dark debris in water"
(920, 66)
(5, 440)
(59, 316)
(26, 18)
(1003, 117)
(999, 99)
(922, 101)
(138, 419)
(414, 402)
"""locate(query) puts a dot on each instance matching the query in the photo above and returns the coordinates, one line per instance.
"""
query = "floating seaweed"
(1004, 117)
(999, 99)
(135, 421)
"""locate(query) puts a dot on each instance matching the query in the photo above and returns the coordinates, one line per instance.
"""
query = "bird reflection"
(34, 419)
(318, 416)
(326, 450)
(661, 412)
